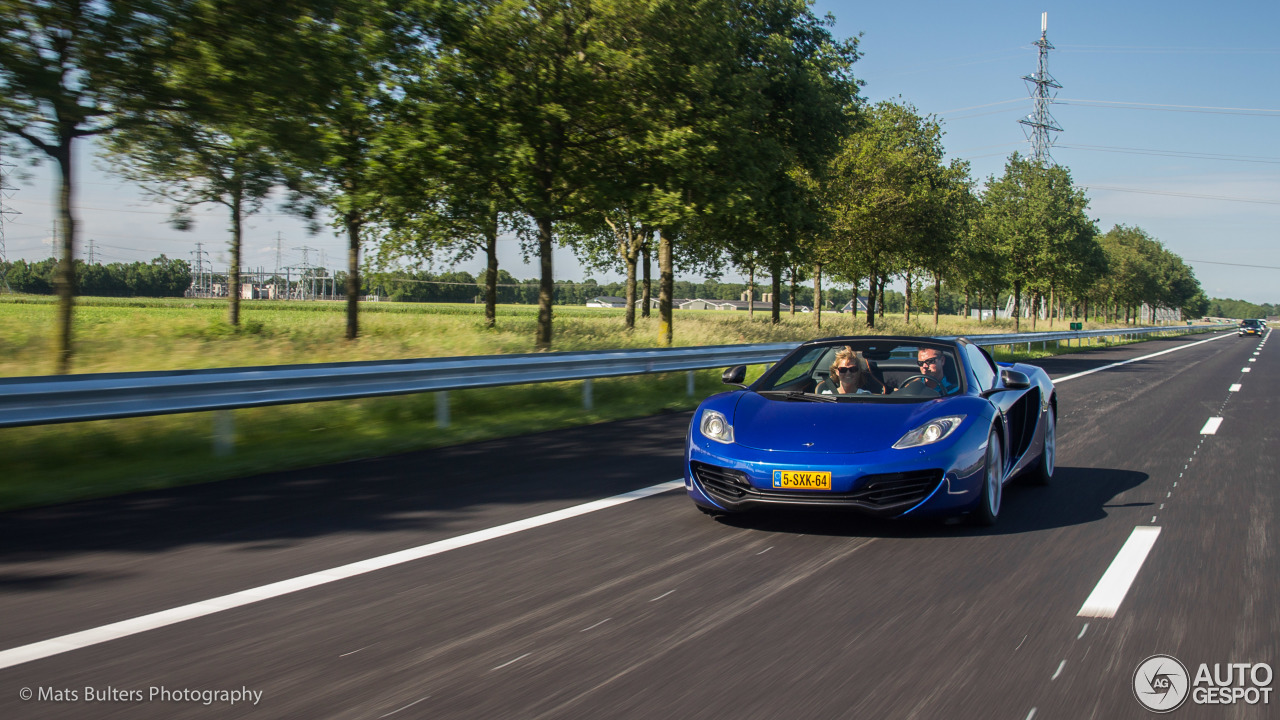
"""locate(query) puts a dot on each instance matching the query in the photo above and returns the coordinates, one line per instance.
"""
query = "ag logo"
(1160, 683)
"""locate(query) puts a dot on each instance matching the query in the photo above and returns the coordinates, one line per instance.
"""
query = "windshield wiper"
(795, 395)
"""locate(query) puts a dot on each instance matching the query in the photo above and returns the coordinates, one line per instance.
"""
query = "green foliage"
(161, 277)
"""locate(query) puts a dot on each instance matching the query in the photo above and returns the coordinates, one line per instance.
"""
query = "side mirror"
(734, 375)
(1014, 380)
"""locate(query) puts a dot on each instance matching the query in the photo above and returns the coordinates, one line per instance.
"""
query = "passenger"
(933, 364)
(850, 375)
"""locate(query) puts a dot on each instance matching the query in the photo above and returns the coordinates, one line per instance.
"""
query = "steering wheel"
(929, 382)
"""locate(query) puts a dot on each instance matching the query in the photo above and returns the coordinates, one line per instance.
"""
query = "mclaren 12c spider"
(888, 426)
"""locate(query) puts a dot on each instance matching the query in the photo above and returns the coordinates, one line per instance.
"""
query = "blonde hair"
(848, 353)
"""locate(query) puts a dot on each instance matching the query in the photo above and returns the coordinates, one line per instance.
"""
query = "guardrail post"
(586, 394)
(224, 433)
(689, 383)
(442, 409)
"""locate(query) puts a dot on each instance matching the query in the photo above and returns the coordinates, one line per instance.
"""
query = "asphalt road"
(647, 608)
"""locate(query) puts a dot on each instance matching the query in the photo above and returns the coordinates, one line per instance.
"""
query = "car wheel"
(1042, 473)
(992, 483)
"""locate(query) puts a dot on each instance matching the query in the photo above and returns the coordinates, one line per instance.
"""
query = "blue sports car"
(887, 426)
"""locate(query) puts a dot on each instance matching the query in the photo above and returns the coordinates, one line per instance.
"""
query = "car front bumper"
(941, 479)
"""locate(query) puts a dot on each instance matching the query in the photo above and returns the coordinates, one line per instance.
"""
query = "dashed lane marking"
(1105, 599)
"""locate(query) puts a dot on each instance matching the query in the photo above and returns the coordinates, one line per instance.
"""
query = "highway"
(487, 581)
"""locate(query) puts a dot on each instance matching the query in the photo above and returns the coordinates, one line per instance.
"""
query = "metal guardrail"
(76, 398)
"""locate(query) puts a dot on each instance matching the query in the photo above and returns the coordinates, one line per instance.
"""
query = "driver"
(933, 363)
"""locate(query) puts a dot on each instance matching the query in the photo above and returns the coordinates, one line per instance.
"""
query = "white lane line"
(593, 627)
(765, 550)
(1058, 672)
(406, 707)
(125, 628)
(1244, 369)
(662, 595)
(1133, 360)
(1031, 714)
(1234, 388)
(1211, 427)
(1253, 359)
(353, 652)
(512, 661)
(1105, 599)
(1086, 627)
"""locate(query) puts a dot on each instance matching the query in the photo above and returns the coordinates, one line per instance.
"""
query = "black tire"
(1042, 472)
(992, 483)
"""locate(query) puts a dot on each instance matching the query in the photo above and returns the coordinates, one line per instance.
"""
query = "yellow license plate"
(801, 480)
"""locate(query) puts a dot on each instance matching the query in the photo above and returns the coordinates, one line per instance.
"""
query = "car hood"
(762, 423)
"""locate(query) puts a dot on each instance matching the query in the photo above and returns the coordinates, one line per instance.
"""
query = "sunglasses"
(846, 370)
(929, 361)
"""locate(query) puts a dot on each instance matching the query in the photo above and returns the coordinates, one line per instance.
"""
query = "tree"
(561, 89)
(189, 160)
(1036, 218)
(894, 203)
(68, 69)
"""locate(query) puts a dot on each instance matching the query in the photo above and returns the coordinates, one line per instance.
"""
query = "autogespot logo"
(1160, 683)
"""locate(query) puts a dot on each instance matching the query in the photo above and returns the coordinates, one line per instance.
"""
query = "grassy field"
(50, 464)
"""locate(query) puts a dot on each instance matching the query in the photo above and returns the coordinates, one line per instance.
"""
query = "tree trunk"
(751, 293)
(906, 305)
(64, 280)
(775, 293)
(629, 259)
(871, 300)
(233, 273)
(853, 303)
(491, 272)
(646, 296)
(1017, 306)
(546, 284)
(937, 299)
(966, 303)
(792, 299)
(353, 275)
(883, 280)
(666, 286)
(817, 296)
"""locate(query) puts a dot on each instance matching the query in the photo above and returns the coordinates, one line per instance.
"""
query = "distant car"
(1251, 326)
(921, 448)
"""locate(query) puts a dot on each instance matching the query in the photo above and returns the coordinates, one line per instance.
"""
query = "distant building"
(848, 307)
(607, 301)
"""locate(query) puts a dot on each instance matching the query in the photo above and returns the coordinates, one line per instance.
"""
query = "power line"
(1258, 267)
(1206, 109)
(1170, 49)
(1174, 153)
(1177, 194)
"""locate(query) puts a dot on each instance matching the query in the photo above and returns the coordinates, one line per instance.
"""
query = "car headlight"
(715, 426)
(930, 432)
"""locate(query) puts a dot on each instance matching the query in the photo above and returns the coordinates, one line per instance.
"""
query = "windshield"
(865, 370)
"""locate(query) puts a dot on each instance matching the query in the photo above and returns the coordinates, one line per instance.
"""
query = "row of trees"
(431, 126)
(161, 277)
(697, 133)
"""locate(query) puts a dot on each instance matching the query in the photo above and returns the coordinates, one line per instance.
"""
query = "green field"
(57, 463)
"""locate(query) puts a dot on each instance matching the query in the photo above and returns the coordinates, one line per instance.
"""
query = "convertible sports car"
(922, 440)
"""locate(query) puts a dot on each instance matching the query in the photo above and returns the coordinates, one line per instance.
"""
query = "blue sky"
(1170, 114)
